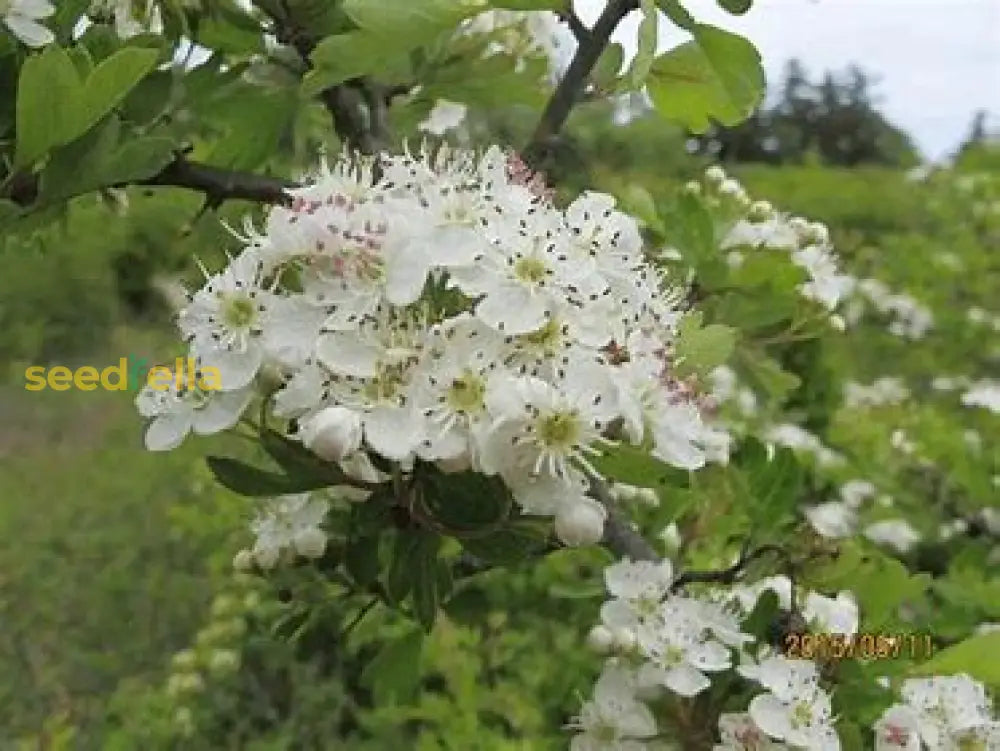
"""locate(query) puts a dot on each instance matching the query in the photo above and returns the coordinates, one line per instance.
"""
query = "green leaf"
(555, 5)
(344, 56)
(608, 66)
(465, 502)
(428, 580)
(775, 484)
(410, 22)
(765, 375)
(677, 14)
(400, 576)
(47, 92)
(230, 30)
(361, 559)
(110, 83)
(298, 461)
(736, 7)
(702, 349)
(634, 466)
(716, 76)
(393, 675)
(250, 481)
(646, 51)
(691, 230)
(979, 656)
(514, 543)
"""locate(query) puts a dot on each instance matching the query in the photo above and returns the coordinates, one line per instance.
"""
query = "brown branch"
(731, 574)
(568, 90)
(216, 183)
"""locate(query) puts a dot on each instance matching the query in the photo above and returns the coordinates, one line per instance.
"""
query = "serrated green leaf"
(608, 67)
(716, 76)
(978, 656)
(699, 350)
(298, 461)
(394, 673)
(47, 96)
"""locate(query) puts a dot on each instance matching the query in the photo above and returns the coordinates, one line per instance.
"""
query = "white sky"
(938, 61)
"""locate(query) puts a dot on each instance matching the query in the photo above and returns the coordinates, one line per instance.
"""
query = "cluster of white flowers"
(882, 391)
(659, 639)
(285, 525)
(522, 35)
(909, 318)
(798, 438)
(446, 312)
(839, 518)
(981, 317)
(947, 712)
(984, 393)
(23, 19)
(131, 18)
(808, 243)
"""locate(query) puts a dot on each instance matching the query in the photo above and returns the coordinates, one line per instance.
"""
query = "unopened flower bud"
(600, 639)
(730, 187)
(671, 537)
(580, 523)
(624, 639)
(310, 542)
(715, 175)
(760, 210)
(333, 433)
(223, 662)
(266, 557)
(243, 560)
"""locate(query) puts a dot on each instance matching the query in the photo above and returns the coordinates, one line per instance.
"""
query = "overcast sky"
(938, 60)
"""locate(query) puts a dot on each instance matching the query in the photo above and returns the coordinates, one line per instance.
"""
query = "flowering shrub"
(449, 368)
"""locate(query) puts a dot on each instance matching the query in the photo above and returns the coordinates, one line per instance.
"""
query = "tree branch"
(572, 20)
(216, 183)
(619, 537)
(220, 184)
(568, 90)
(731, 574)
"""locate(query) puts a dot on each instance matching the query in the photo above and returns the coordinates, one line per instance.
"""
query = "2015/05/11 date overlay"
(861, 646)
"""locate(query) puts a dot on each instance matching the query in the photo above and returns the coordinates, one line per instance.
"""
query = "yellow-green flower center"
(529, 270)
(239, 311)
(466, 393)
(559, 430)
(386, 384)
(802, 714)
(547, 337)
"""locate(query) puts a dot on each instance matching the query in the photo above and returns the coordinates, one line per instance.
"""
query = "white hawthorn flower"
(795, 709)
(832, 519)
(897, 729)
(948, 707)
(225, 321)
(22, 18)
(178, 410)
(833, 615)
(443, 117)
(636, 587)
(897, 534)
(289, 522)
(613, 720)
(679, 648)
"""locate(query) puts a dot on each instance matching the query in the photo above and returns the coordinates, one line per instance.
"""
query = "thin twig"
(568, 91)
(732, 573)
(619, 537)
